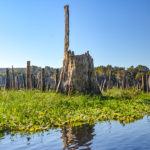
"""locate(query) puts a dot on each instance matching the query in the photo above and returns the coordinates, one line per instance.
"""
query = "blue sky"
(116, 32)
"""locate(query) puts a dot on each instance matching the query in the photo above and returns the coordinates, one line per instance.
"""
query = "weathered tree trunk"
(144, 83)
(124, 82)
(21, 82)
(66, 29)
(7, 86)
(43, 80)
(101, 86)
(77, 73)
(118, 85)
(104, 85)
(127, 83)
(17, 83)
(13, 79)
(24, 82)
(49, 84)
(48, 87)
(56, 79)
(29, 84)
(33, 81)
(10, 84)
(109, 81)
(38, 84)
(138, 85)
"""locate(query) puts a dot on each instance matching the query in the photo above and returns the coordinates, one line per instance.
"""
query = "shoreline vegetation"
(34, 111)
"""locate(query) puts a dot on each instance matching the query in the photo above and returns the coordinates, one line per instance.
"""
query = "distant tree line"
(34, 77)
(138, 77)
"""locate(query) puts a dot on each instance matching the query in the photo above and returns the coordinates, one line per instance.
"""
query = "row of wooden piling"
(29, 81)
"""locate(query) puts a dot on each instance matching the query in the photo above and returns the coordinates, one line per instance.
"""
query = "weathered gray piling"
(24, 81)
(13, 79)
(17, 84)
(7, 86)
(109, 81)
(28, 85)
(56, 78)
(43, 80)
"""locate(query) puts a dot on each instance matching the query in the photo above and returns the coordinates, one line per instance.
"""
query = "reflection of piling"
(7, 86)
(77, 136)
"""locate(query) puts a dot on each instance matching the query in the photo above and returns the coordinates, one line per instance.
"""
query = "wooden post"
(118, 85)
(28, 75)
(7, 86)
(127, 83)
(101, 85)
(104, 85)
(49, 84)
(43, 80)
(24, 81)
(13, 79)
(33, 81)
(56, 76)
(66, 28)
(124, 82)
(109, 81)
(17, 86)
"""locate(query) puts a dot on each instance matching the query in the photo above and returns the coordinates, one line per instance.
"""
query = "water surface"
(102, 136)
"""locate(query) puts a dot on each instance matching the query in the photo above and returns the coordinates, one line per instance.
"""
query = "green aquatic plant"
(34, 111)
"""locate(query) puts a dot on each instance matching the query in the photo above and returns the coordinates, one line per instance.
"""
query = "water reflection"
(75, 137)
(107, 135)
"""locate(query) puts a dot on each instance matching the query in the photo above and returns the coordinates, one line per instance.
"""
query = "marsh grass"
(34, 111)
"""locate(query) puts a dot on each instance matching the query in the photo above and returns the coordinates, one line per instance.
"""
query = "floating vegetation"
(34, 111)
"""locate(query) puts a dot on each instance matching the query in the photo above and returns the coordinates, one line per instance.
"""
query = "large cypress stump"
(77, 73)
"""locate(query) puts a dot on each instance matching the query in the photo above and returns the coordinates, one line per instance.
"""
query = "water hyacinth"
(34, 111)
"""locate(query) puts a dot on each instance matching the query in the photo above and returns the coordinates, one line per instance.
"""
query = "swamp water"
(102, 136)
